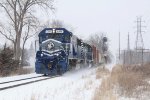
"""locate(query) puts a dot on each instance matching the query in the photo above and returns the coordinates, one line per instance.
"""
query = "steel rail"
(25, 83)
(20, 79)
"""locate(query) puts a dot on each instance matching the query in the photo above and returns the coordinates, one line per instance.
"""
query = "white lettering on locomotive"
(48, 31)
(59, 31)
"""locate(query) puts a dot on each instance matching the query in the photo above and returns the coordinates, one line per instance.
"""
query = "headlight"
(57, 54)
(41, 55)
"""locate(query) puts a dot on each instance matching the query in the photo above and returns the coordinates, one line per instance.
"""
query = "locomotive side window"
(67, 38)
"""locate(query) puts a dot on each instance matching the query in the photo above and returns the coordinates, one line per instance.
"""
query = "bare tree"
(19, 12)
(61, 24)
(57, 24)
(98, 41)
(29, 32)
(54, 24)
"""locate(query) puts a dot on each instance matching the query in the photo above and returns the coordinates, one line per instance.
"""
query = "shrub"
(7, 63)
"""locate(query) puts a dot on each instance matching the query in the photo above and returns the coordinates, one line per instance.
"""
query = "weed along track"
(24, 83)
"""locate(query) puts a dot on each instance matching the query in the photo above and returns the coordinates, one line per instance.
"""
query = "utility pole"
(119, 46)
(128, 45)
(139, 40)
(129, 50)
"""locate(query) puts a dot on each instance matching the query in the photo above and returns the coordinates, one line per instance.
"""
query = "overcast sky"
(109, 16)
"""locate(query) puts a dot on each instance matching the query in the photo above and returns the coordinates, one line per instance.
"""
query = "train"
(60, 50)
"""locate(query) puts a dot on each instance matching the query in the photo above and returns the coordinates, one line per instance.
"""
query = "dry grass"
(128, 81)
(101, 72)
(32, 97)
(131, 80)
(36, 96)
(105, 90)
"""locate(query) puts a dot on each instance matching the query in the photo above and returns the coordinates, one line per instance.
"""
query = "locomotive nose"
(45, 61)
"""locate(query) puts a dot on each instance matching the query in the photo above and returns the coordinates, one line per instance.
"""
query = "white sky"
(110, 16)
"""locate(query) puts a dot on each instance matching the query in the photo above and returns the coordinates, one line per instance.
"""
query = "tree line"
(21, 23)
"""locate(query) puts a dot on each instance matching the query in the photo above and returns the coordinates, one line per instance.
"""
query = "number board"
(59, 31)
(48, 31)
(54, 31)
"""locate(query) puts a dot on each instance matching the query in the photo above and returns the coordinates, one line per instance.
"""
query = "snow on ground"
(110, 66)
(74, 85)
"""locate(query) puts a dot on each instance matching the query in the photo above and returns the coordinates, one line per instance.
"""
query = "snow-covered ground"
(110, 66)
(74, 85)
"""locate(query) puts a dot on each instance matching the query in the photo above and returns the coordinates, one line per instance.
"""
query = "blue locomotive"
(60, 51)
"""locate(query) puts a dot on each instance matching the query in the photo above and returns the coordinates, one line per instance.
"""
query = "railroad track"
(20, 79)
(25, 83)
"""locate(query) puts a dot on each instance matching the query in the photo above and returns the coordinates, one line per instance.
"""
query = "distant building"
(132, 57)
